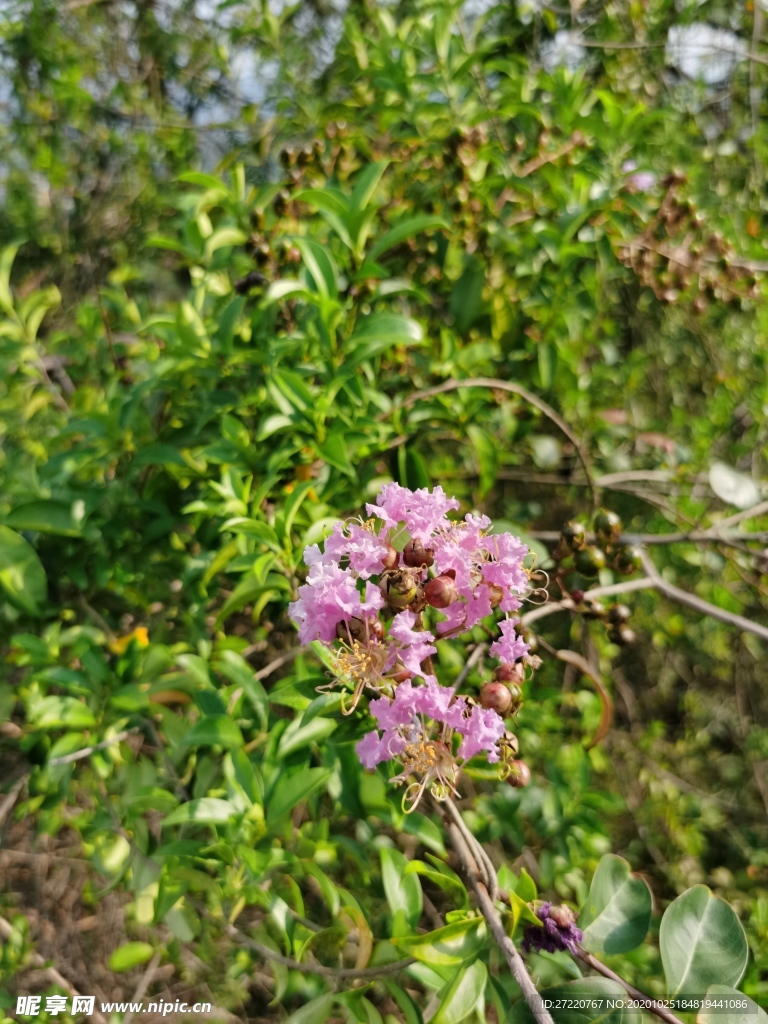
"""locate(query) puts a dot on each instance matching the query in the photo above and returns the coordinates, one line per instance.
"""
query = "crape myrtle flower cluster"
(559, 931)
(365, 598)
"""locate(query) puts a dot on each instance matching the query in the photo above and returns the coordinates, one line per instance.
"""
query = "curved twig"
(606, 701)
(515, 389)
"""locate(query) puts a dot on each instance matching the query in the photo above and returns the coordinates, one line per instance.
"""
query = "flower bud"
(562, 916)
(509, 673)
(622, 635)
(496, 697)
(376, 629)
(577, 596)
(440, 592)
(416, 556)
(519, 775)
(574, 536)
(390, 560)
(589, 561)
(399, 587)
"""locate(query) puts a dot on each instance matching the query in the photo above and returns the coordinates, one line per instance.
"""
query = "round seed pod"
(495, 697)
(574, 536)
(594, 609)
(520, 775)
(589, 561)
(618, 614)
(627, 560)
(400, 589)
(607, 526)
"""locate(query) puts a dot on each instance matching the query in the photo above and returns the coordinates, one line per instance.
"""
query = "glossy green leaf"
(403, 891)
(57, 517)
(702, 943)
(724, 1005)
(207, 810)
(59, 712)
(292, 789)
(453, 944)
(22, 577)
(405, 229)
(214, 730)
(617, 913)
(464, 994)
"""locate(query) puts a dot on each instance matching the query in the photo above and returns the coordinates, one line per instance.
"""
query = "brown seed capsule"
(509, 743)
(390, 560)
(375, 629)
(399, 587)
(509, 673)
(416, 555)
(440, 592)
(520, 774)
(354, 629)
(495, 697)
(496, 594)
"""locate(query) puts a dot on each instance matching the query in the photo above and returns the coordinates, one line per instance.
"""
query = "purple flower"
(559, 931)
(481, 731)
(413, 646)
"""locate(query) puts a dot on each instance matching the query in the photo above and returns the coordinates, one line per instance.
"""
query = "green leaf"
(334, 451)
(223, 238)
(453, 944)
(702, 943)
(299, 735)
(365, 186)
(206, 811)
(314, 1012)
(22, 577)
(58, 712)
(238, 671)
(487, 456)
(292, 789)
(204, 180)
(130, 955)
(405, 229)
(463, 995)
(403, 891)
(727, 1006)
(320, 265)
(443, 877)
(214, 730)
(617, 913)
(48, 517)
(602, 990)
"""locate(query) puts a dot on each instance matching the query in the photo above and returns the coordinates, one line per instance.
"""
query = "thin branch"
(516, 389)
(747, 513)
(698, 604)
(503, 941)
(78, 755)
(470, 663)
(10, 798)
(144, 983)
(692, 536)
(329, 972)
(652, 1005)
(567, 605)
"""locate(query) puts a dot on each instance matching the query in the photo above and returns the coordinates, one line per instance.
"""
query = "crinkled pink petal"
(369, 750)
(413, 646)
(509, 647)
(482, 731)
(422, 511)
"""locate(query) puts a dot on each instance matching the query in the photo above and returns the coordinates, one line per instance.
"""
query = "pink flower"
(509, 647)
(482, 731)
(421, 511)
(369, 750)
(363, 548)
(413, 645)
(330, 596)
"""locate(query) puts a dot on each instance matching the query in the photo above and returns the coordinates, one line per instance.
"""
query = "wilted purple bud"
(554, 936)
